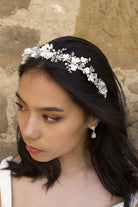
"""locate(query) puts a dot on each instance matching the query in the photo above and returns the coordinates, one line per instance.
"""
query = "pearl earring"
(93, 135)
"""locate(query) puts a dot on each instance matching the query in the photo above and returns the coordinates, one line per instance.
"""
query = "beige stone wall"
(111, 25)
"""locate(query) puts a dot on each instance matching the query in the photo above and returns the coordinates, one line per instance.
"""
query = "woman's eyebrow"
(17, 94)
(50, 109)
(41, 108)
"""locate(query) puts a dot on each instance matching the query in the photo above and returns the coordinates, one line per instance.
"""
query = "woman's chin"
(39, 158)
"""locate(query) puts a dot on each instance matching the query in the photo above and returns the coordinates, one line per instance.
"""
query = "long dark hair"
(112, 154)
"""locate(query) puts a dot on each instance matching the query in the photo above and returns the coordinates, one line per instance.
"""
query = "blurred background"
(111, 25)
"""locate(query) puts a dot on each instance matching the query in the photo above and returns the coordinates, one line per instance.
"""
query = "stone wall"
(111, 25)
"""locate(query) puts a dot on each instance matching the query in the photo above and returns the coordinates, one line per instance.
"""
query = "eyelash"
(53, 118)
(21, 108)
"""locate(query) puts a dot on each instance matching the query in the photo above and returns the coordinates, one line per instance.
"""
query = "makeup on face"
(51, 124)
(32, 149)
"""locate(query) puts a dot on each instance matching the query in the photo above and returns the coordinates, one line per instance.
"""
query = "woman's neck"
(75, 162)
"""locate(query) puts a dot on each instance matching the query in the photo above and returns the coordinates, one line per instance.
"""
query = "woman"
(73, 144)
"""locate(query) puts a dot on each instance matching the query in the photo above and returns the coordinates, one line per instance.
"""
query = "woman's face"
(51, 124)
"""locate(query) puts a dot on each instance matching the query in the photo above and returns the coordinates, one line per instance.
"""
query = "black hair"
(112, 154)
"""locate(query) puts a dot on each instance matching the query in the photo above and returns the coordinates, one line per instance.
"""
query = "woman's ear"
(93, 122)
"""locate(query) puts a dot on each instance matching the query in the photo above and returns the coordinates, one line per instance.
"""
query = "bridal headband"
(71, 61)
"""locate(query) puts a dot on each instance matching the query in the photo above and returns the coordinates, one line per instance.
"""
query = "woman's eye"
(50, 118)
(20, 107)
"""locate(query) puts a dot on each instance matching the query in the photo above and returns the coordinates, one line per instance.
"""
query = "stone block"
(132, 121)
(135, 143)
(133, 131)
(13, 40)
(3, 117)
(112, 26)
(133, 88)
(7, 149)
(9, 7)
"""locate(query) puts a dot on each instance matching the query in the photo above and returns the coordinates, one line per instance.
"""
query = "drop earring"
(93, 135)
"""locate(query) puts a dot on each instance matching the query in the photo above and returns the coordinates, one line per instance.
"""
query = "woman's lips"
(32, 149)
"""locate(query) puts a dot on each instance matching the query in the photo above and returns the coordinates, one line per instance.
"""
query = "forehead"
(40, 89)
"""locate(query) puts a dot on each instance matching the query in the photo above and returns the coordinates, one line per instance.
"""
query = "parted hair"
(112, 154)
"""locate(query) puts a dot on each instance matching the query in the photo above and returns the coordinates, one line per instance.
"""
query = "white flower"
(46, 47)
(65, 57)
(35, 52)
(46, 55)
(73, 67)
(103, 90)
(23, 61)
(86, 70)
(91, 69)
(102, 83)
(75, 60)
(50, 46)
(91, 77)
(27, 51)
(84, 59)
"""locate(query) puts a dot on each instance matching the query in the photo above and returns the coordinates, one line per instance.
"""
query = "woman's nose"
(31, 129)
